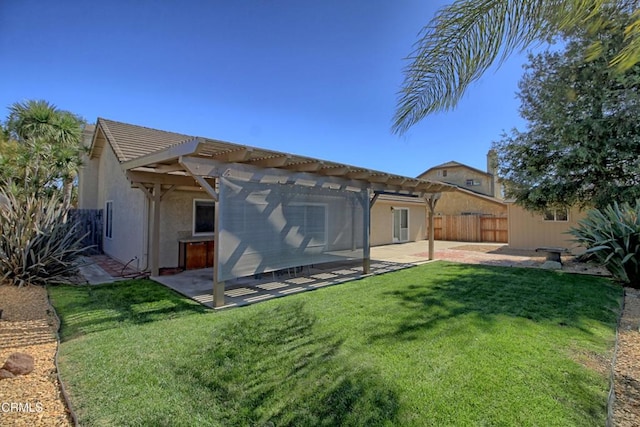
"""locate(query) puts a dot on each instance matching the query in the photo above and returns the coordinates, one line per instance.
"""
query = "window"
(108, 219)
(559, 215)
(203, 214)
(444, 172)
(473, 182)
(310, 221)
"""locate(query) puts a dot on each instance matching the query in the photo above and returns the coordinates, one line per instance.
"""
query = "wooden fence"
(471, 228)
(89, 223)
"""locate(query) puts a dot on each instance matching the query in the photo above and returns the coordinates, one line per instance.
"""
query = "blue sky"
(316, 78)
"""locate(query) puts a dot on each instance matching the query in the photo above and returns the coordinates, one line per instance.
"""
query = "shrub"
(612, 237)
(37, 244)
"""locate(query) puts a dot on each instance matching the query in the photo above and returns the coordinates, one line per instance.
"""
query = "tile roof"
(132, 141)
(151, 149)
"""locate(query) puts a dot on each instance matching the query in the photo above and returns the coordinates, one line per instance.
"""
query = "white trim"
(193, 217)
(393, 215)
(326, 217)
(555, 215)
(108, 219)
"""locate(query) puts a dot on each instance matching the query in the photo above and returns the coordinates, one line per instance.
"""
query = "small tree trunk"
(66, 196)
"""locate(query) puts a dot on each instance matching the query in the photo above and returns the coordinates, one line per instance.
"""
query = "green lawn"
(440, 344)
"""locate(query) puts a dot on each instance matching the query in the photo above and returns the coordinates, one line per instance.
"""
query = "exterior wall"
(382, 221)
(129, 212)
(176, 222)
(527, 230)
(457, 203)
(459, 175)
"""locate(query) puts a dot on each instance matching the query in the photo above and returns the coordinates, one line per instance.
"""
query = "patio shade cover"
(270, 226)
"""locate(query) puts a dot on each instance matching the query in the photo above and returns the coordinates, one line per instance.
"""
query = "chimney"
(492, 168)
(492, 161)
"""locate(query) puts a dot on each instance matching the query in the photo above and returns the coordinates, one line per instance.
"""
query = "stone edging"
(611, 400)
(65, 396)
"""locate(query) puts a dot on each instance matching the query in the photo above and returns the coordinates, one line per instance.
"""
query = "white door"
(400, 225)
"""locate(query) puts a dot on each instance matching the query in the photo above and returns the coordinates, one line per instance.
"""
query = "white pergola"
(200, 163)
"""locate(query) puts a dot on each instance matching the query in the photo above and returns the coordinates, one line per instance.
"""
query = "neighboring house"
(172, 200)
(475, 212)
(531, 230)
(467, 177)
(479, 193)
(465, 202)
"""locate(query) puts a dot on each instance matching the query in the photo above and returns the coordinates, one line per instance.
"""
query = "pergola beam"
(241, 155)
(196, 166)
(137, 177)
(305, 167)
(361, 175)
(334, 171)
(271, 162)
(166, 155)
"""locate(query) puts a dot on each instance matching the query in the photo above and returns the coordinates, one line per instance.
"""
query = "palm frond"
(465, 38)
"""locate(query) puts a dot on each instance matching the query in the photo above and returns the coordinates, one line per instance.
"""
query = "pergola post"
(199, 171)
(154, 197)
(432, 200)
(218, 285)
(366, 230)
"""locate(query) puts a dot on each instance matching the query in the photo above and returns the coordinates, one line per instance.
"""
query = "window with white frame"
(203, 217)
(473, 182)
(556, 214)
(108, 219)
(309, 220)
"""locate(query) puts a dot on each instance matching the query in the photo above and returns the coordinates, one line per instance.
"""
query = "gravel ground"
(627, 369)
(27, 326)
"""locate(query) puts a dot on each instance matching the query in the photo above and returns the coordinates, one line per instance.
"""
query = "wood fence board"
(471, 228)
(90, 225)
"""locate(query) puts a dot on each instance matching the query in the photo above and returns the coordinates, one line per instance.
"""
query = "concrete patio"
(198, 284)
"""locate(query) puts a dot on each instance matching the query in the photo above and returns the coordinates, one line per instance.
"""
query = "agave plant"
(612, 237)
(37, 246)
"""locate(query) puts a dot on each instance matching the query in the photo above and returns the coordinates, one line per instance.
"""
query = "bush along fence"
(89, 225)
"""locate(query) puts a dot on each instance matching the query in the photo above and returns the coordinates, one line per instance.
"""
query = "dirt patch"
(508, 257)
(501, 250)
(27, 326)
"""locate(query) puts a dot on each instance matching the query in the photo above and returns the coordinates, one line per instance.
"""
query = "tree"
(40, 151)
(582, 145)
(467, 37)
(50, 146)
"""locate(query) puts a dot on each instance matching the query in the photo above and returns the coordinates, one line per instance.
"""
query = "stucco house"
(531, 230)
(467, 177)
(476, 211)
(479, 192)
(173, 200)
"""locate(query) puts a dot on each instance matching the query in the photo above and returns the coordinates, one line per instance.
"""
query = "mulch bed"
(28, 326)
(627, 368)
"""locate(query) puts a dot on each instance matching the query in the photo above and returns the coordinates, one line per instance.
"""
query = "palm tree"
(54, 141)
(465, 38)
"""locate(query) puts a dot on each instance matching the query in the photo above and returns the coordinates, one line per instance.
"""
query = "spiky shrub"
(37, 245)
(612, 237)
